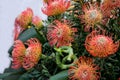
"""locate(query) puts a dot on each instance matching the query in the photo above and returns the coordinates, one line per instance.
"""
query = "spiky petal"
(84, 69)
(60, 34)
(99, 45)
(18, 54)
(17, 31)
(91, 16)
(106, 7)
(55, 7)
(37, 22)
(32, 54)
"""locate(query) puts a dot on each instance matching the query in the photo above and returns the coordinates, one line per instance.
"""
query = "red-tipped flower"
(106, 7)
(32, 54)
(22, 22)
(84, 69)
(60, 34)
(55, 7)
(37, 22)
(92, 15)
(24, 18)
(99, 45)
(18, 54)
(26, 58)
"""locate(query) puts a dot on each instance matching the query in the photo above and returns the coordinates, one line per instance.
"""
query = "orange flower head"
(24, 18)
(32, 54)
(37, 22)
(26, 58)
(84, 69)
(22, 22)
(55, 7)
(99, 45)
(60, 34)
(106, 7)
(92, 15)
(18, 54)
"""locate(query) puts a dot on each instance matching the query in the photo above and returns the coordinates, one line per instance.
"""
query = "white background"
(9, 10)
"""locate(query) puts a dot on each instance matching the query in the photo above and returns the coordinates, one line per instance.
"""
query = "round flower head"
(26, 58)
(84, 69)
(60, 34)
(106, 7)
(22, 22)
(37, 22)
(32, 54)
(99, 45)
(55, 7)
(91, 16)
(24, 18)
(18, 54)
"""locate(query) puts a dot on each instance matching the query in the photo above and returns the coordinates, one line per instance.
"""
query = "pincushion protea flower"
(22, 22)
(18, 54)
(32, 54)
(106, 7)
(92, 15)
(24, 18)
(60, 34)
(99, 45)
(55, 7)
(84, 69)
(37, 22)
(26, 58)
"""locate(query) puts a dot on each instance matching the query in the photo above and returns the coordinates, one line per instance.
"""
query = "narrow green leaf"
(31, 33)
(11, 74)
(5, 75)
(60, 76)
(24, 77)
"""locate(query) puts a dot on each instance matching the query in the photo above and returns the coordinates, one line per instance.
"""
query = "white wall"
(9, 9)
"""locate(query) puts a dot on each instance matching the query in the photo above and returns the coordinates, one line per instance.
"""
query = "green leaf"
(11, 74)
(60, 76)
(24, 77)
(31, 33)
(5, 75)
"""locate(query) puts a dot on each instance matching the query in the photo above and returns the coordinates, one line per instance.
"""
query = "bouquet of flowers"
(78, 41)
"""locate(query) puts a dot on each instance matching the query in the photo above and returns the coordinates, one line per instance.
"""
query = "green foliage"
(60, 76)
(68, 57)
(11, 74)
(54, 62)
